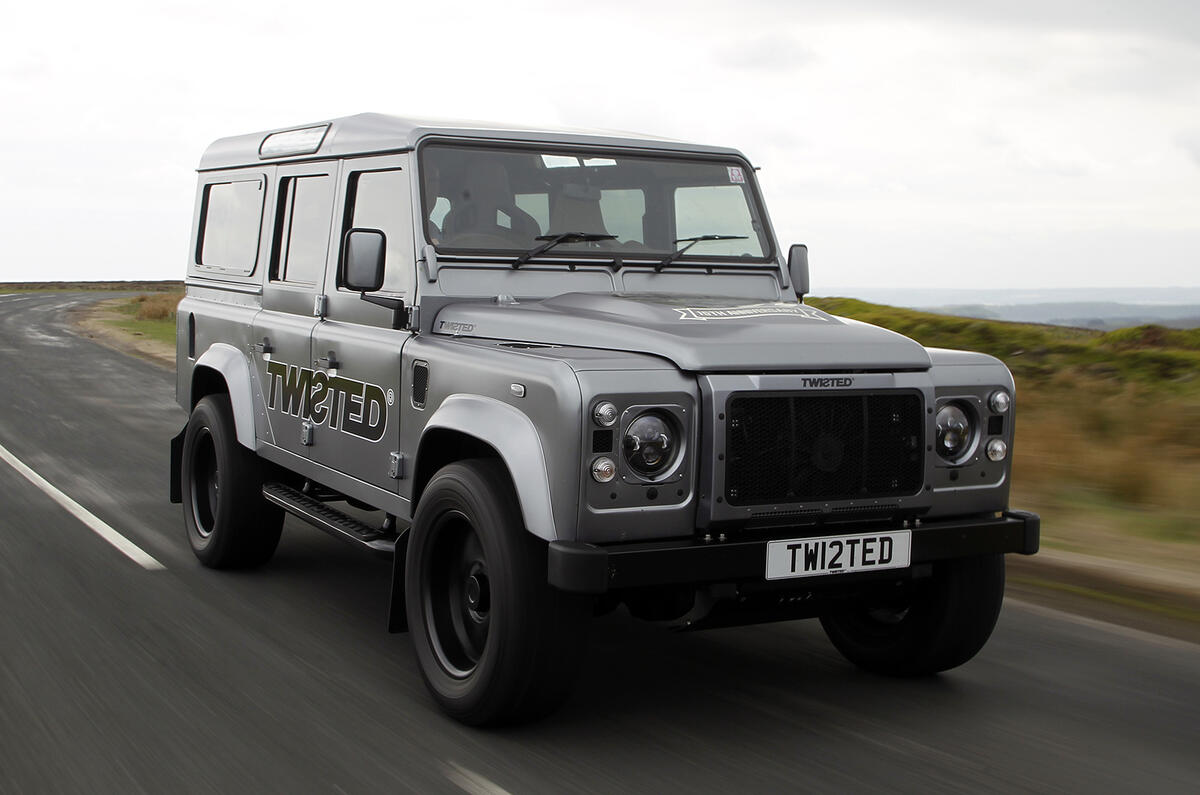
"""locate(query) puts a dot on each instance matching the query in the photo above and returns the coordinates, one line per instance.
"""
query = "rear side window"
(230, 221)
(303, 238)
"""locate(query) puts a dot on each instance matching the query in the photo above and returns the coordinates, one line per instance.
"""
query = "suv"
(549, 373)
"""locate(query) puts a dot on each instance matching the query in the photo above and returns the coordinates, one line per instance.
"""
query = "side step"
(331, 520)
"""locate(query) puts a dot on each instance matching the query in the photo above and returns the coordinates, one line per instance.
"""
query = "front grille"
(805, 448)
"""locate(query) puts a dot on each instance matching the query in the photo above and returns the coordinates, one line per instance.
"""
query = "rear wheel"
(943, 622)
(229, 524)
(495, 642)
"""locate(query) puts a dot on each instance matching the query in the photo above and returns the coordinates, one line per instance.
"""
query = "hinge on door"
(306, 433)
(396, 466)
(320, 305)
(263, 347)
(329, 362)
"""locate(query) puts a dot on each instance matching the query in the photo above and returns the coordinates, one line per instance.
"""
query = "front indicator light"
(604, 414)
(997, 450)
(604, 469)
(999, 402)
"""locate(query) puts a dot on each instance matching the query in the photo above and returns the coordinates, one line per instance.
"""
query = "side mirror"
(798, 268)
(362, 266)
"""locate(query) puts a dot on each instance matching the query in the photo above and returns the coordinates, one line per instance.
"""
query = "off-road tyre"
(229, 523)
(942, 623)
(495, 643)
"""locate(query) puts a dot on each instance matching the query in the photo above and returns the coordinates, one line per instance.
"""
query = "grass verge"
(149, 316)
(1107, 442)
(1173, 612)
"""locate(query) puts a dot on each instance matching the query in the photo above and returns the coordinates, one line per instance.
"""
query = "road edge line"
(93, 522)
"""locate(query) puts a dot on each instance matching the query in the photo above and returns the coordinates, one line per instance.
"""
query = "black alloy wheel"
(229, 523)
(941, 623)
(495, 643)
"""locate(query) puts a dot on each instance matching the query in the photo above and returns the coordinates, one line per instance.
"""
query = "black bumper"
(594, 569)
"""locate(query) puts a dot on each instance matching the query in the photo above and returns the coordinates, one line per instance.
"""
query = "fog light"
(1000, 402)
(997, 450)
(604, 414)
(604, 469)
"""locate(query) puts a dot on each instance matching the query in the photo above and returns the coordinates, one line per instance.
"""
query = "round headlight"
(954, 431)
(604, 414)
(650, 444)
(997, 450)
(1000, 401)
(604, 469)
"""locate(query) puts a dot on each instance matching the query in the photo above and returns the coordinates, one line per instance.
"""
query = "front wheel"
(495, 643)
(941, 623)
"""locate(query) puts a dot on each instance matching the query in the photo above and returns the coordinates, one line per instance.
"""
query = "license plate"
(815, 557)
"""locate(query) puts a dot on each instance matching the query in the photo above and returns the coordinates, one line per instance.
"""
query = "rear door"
(282, 339)
(357, 337)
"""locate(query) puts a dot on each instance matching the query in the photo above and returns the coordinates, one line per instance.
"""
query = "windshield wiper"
(691, 241)
(554, 240)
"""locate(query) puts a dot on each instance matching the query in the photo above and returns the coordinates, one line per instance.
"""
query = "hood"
(698, 334)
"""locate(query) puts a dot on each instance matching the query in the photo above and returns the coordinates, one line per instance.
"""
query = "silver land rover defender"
(553, 372)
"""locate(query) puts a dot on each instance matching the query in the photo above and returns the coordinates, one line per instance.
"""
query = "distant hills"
(1103, 309)
(1104, 316)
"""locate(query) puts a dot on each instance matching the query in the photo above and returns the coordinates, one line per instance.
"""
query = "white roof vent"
(304, 141)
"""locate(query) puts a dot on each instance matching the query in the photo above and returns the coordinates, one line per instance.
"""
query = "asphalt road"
(118, 678)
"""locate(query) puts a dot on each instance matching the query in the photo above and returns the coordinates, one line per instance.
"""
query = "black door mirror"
(362, 266)
(798, 268)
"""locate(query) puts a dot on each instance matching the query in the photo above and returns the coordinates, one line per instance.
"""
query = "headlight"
(650, 444)
(954, 432)
(1000, 401)
(997, 450)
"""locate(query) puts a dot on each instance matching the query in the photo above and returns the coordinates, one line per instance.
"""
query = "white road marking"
(471, 782)
(97, 525)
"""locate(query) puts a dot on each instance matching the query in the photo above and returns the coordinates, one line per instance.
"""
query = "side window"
(302, 240)
(230, 222)
(623, 211)
(717, 210)
(538, 206)
(440, 207)
(380, 200)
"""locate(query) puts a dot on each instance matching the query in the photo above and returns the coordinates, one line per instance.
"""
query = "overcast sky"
(923, 143)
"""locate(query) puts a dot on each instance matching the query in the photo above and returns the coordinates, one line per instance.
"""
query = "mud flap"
(397, 609)
(176, 487)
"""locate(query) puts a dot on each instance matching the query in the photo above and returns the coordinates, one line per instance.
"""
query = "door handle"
(330, 362)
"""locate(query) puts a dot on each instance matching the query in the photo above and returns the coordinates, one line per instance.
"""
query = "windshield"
(502, 200)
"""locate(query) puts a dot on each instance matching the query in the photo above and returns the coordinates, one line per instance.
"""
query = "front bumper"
(594, 569)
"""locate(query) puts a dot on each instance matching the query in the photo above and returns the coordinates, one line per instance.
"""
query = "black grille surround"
(784, 448)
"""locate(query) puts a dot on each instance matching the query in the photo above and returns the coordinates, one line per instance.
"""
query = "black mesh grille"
(800, 448)
(602, 441)
(420, 384)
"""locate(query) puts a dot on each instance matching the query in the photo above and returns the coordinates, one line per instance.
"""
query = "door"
(282, 332)
(356, 338)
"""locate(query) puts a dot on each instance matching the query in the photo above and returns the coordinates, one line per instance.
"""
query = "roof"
(375, 132)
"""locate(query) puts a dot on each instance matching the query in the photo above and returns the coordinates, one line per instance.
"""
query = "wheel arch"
(223, 368)
(473, 426)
